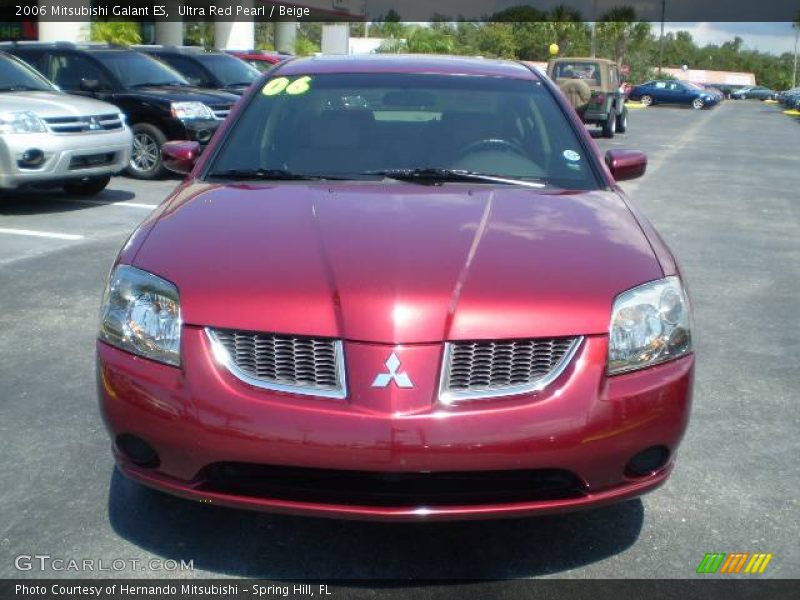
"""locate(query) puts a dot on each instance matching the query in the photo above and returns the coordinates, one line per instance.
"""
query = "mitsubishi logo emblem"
(384, 379)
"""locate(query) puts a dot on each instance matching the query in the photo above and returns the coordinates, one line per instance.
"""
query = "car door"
(661, 92)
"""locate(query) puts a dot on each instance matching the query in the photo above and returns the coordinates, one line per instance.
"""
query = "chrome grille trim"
(220, 111)
(244, 365)
(75, 124)
(542, 369)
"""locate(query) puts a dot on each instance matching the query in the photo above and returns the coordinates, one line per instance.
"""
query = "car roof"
(406, 63)
(583, 58)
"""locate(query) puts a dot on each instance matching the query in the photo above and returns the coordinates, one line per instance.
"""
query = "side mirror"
(179, 157)
(626, 164)
(89, 85)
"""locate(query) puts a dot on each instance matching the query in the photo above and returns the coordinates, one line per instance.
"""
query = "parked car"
(441, 305)
(757, 92)
(158, 102)
(713, 90)
(260, 59)
(594, 88)
(672, 92)
(789, 97)
(216, 70)
(49, 138)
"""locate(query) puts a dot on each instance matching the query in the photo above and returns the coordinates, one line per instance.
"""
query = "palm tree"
(124, 33)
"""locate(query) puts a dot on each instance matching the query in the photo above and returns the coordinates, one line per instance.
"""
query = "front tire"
(145, 160)
(610, 125)
(646, 100)
(622, 121)
(90, 186)
(698, 103)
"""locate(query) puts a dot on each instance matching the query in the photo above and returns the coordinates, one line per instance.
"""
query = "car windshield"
(353, 126)
(228, 69)
(15, 76)
(134, 69)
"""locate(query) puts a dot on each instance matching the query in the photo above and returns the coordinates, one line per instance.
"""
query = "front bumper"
(64, 156)
(584, 423)
(195, 130)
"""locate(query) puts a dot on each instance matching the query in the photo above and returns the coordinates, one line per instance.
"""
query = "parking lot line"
(44, 234)
(122, 203)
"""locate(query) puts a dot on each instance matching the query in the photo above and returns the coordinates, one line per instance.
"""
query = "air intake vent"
(488, 369)
(286, 363)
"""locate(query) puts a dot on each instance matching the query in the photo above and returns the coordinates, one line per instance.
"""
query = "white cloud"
(775, 38)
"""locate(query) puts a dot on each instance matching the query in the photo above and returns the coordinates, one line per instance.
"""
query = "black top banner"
(405, 10)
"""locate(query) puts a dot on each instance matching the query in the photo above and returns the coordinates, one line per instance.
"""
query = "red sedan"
(398, 288)
(260, 59)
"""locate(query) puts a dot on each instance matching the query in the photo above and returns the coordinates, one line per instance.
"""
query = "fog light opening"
(138, 451)
(647, 461)
(31, 158)
(203, 136)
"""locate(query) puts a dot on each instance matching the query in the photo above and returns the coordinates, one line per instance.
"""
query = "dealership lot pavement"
(722, 188)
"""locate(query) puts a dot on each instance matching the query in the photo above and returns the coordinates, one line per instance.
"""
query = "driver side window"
(67, 71)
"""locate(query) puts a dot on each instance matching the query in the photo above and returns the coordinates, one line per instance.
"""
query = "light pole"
(796, 39)
(661, 39)
(594, 26)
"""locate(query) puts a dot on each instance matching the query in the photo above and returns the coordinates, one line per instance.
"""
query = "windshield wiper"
(271, 174)
(436, 175)
(20, 88)
(159, 84)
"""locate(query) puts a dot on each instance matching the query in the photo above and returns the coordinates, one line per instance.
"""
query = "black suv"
(159, 103)
(216, 70)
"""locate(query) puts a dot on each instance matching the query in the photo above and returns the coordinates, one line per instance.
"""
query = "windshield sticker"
(571, 155)
(280, 85)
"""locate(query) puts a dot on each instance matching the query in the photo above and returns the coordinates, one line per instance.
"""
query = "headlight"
(650, 324)
(21, 122)
(191, 110)
(141, 314)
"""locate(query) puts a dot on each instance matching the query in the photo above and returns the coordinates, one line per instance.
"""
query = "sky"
(775, 38)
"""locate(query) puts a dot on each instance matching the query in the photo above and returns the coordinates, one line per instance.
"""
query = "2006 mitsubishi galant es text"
(397, 288)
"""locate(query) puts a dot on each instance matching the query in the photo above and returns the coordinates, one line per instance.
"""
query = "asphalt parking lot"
(722, 188)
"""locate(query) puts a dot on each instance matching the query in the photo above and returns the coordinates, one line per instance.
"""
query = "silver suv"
(49, 138)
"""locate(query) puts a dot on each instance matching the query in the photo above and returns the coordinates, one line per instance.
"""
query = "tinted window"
(346, 125)
(187, 67)
(67, 70)
(16, 76)
(228, 69)
(135, 69)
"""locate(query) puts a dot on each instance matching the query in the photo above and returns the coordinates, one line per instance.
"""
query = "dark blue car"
(673, 92)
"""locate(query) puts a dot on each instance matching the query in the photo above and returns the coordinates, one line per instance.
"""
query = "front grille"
(485, 369)
(368, 488)
(295, 364)
(91, 123)
(88, 161)
(220, 111)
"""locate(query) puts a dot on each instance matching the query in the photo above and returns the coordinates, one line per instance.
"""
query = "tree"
(618, 30)
(123, 33)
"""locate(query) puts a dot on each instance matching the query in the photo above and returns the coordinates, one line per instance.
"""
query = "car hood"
(53, 104)
(398, 263)
(179, 93)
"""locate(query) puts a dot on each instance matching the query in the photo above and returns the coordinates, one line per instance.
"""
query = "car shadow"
(261, 545)
(31, 202)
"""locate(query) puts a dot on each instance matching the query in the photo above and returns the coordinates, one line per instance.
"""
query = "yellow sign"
(280, 85)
